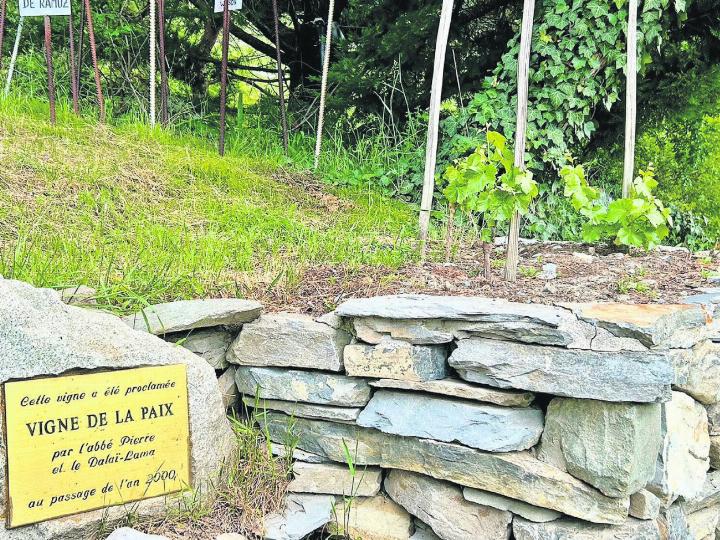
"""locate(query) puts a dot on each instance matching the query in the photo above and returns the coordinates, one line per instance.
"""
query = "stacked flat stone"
(476, 418)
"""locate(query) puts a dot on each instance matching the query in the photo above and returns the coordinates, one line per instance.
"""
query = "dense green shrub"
(679, 132)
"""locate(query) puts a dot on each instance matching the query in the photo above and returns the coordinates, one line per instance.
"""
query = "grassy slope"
(151, 216)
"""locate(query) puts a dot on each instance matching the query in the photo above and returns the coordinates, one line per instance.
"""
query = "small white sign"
(220, 5)
(40, 8)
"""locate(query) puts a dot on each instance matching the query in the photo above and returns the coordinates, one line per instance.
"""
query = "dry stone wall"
(476, 418)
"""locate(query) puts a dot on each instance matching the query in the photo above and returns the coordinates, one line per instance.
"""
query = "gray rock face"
(683, 460)
(40, 335)
(707, 497)
(516, 475)
(622, 376)
(441, 505)
(189, 314)
(523, 509)
(486, 427)
(714, 454)
(372, 518)
(394, 359)
(228, 390)
(612, 446)
(461, 389)
(702, 524)
(568, 332)
(703, 374)
(289, 340)
(644, 505)
(335, 479)
(713, 412)
(654, 325)
(420, 306)
(305, 410)
(306, 386)
(302, 515)
(573, 529)
(423, 532)
(210, 344)
(281, 450)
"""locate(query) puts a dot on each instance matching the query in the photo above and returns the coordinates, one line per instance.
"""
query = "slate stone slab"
(654, 325)
(644, 505)
(573, 529)
(126, 533)
(568, 332)
(304, 410)
(528, 511)
(42, 336)
(305, 386)
(702, 524)
(486, 427)
(394, 359)
(210, 344)
(707, 497)
(335, 479)
(372, 518)
(289, 340)
(612, 446)
(228, 389)
(684, 455)
(703, 374)
(301, 515)
(189, 314)
(621, 376)
(517, 475)
(441, 505)
(281, 450)
(461, 389)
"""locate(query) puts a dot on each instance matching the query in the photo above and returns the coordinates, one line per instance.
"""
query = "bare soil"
(584, 274)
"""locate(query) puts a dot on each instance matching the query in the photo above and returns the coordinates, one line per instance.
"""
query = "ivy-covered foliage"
(577, 65)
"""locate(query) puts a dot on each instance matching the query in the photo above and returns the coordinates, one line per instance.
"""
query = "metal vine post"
(280, 77)
(323, 83)
(93, 52)
(74, 77)
(223, 74)
(631, 98)
(50, 73)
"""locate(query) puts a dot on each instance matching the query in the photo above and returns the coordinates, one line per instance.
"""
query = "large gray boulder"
(189, 314)
(306, 386)
(574, 529)
(460, 389)
(41, 336)
(612, 446)
(393, 359)
(289, 340)
(517, 475)
(683, 460)
(619, 376)
(707, 497)
(441, 505)
(486, 427)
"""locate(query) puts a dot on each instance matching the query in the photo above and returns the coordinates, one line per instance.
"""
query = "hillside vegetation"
(147, 216)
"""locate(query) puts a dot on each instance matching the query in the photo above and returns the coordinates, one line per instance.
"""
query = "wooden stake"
(630, 99)
(152, 63)
(323, 82)
(433, 123)
(512, 257)
(3, 7)
(281, 78)
(164, 87)
(74, 78)
(223, 74)
(50, 74)
(13, 58)
(93, 53)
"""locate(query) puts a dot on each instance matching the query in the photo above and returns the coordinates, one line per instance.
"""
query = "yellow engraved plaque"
(81, 442)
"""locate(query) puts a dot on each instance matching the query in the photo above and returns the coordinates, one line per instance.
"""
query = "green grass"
(147, 216)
